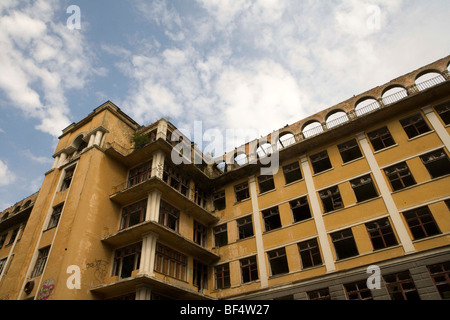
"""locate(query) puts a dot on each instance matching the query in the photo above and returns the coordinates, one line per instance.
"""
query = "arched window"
(312, 129)
(264, 149)
(394, 94)
(366, 106)
(428, 80)
(241, 159)
(336, 119)
(286, 139)
(16, 209)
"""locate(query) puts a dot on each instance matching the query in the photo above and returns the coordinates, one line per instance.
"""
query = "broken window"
(13, 236)
(3, 239)
(364, 188)
(444, 112)
(399, 176)
(320, 161)
(381, 234)
(2, 264)
(175, 179)
(140, 174)
(437, 163)
(200, 275)
(265, 183)
(169, 216)
(271, 219)
(358, 291)
(199, 196)
(278, 261)
(68, 175)
(331, 199)
(401, 286)
(126, 260)
(199, 234)
(309, 253)
(349, 150)
(381, 139)
(249, 269)
(220, 235)
(219, 200)
(222, 276)
(415, 125)
(300, 209)
(40, 262)
(292, 172)
(133, 214)
(170, 262)
(245, 227)
(344, 244)
(241, 191)
(54, 218)
(421, 223)
(440, 273)
(321, 294)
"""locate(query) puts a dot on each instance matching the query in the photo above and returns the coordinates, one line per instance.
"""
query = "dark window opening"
(300, 209)
(126, 260)
(271, 219)
(321, 294)
(3, 239)
(40, 262)
(220, 235)
(344, 244)
(364, 188)
(241, 191)
(349, 150)
(265, 183)
(140, 174)
(175, 179)
(200, 275)
(222, 275)
(444, 112)
(331, 199)
(169, 216)
(399, 176)
(437, 163)
(199, 196)
(54, 218)
(13, 236)
(415, 125)
(292, 172)
(133, 214)
(278, 261)
(67, 179)
(421, 223)
(310, 253)
(219, 200)
(381, 234)
(440, 273)
(249, 269)
(320, 161)
(170, 262)
(245, 227)
(358, 291)
(200, 234)
(381, 138)
(401, 286)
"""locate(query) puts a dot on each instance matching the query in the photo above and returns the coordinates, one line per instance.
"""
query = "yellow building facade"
(358, 191)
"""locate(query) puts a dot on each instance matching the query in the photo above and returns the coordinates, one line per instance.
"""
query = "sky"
(231, 64)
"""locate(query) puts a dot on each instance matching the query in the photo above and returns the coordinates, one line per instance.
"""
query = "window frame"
(349, 151)
(272, 219)
(265, 183)
(219, 200)
(278, 256)
(320, 162)
(249, 269)
(347, 239)
(242, 191)
(168, 215)
(139, 174)
(310, 253)
(415, 125)
(221, 232)
(399, 174)
(244, 224)
(129, 211)
(381, 137)
(381, 232)
(292, 172)
(222, 276)
(170, 262)
(297, 207)
(68, 177)
(361, 183)
(200, 234)
(432, 159)
(437, 276)
(334, 194)
(397, 286)
(55, 216)
(40, 262)
(417, 216)
(443, 110)
(120, 254)
(360, 287)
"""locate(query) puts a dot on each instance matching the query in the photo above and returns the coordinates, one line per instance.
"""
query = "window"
(40, 262)
(220, 235)
(222, 276)
(3, 239)
(320, 161)
(169, 216)
(444, 112)
(2, 264)
(278, 261)
(437, 163)
(300, 209)
(421, 223)
(249, 269)
(358, 291)
(13, 236)
(245, 227)
(331, 199)
(199, 196)
(399, 176)
(344, 244)
(271, 219)
(309, 253)
(219, 200)
(175, 179)
(414, 125)
(200, 275)
(265, 183)
(381, 234)
(321, 294)
(133, 214)
(170, 262)
(199, 234)
(381, 139)
(68, 175)
(241, 191)
(292, 172)
(126, 260)
(364, 188)
(440, 273)
(54, 218)
(401, 286)
(140, 174)
(349, 150)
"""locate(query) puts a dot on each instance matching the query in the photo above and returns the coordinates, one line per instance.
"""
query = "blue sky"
(229, 63)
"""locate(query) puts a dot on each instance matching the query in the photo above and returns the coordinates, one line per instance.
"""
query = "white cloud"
(6, 176)
(37, 159)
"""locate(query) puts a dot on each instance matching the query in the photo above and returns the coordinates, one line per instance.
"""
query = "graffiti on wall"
(46, 290)
(100, 269)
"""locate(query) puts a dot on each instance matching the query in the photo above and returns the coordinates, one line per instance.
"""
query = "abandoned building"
(362, 184)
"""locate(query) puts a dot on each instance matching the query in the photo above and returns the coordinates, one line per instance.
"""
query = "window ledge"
(387, 148)
(351, 161)
(266, 192)
(432, 237)
(324, 171)
(421, 135)
(293, 182)
(241, 201)
(420, 183)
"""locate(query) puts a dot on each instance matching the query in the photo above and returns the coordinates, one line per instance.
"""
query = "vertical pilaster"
(143, 292)
(437, 125)
(98, 137)
(153, 203)
(158, 164)
(148, 250)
